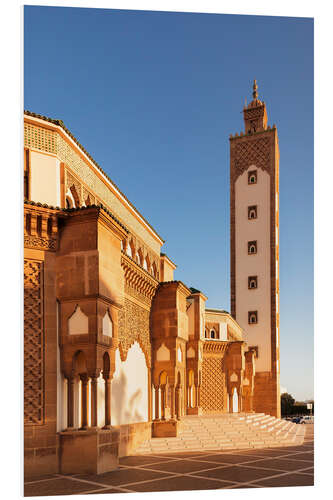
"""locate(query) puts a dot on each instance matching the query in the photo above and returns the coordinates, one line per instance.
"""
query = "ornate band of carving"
(40, 243)
(137, 281)
(215, 346)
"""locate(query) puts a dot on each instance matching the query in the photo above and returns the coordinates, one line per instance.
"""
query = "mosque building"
(116, 350)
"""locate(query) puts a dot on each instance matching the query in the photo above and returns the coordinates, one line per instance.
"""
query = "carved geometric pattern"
(40, 138)
(254, 113)
(41, 243)
(133, 325)
(251, 152)
(33, 343)
(213, 384)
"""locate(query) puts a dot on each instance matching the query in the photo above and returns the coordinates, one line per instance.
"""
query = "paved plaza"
(285, 466)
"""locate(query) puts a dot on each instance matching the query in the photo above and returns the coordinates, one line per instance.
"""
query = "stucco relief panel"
(134, 326)
(33, 343)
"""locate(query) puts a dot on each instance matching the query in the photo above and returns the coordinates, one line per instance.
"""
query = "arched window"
(253, 317)
(252, 282)
(252, 247)
(252, 177)
(252, 212)
(212, 334)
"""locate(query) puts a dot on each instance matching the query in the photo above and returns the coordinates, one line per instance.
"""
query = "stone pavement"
(255, 468)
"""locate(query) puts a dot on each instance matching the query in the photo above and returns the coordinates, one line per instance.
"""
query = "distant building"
(116, 350)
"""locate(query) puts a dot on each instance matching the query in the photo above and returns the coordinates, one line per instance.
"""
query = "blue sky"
(153, 97)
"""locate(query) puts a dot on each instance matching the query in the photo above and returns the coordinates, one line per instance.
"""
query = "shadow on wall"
(125, 410)
(130, 388)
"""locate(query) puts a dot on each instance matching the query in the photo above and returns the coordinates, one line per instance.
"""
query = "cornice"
(137, 278)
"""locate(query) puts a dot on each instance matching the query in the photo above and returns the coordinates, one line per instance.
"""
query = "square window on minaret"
(252, 282)
(252, 247)
(252, 317)
(252, 212)
(252, 177)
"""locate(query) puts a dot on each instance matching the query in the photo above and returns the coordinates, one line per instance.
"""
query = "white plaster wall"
(129, 388)
(256, 265)
(44, 178)
(223, 331)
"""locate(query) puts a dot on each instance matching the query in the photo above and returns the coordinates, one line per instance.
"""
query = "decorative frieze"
(213, 346)
(138, 282)
(40, 227)
(40, 243)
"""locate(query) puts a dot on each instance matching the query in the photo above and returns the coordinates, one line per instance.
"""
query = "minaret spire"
(255, 116)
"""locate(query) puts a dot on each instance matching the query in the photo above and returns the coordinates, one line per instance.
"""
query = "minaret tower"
(254, 225)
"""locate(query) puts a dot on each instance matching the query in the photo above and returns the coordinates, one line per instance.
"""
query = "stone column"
(94, 400)
(157, 402)
(177, 402)
(84, 401)
(70, 402)
(163, 394)
(231, 406)
(150, 396)
(172, 402)
(107, 402)
(240, 399)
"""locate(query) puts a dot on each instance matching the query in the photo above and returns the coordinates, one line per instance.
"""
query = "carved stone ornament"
(40, 243)
(134, 326)
(33, 343)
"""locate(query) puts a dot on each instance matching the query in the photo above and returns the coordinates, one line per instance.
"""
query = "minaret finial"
(255, 90)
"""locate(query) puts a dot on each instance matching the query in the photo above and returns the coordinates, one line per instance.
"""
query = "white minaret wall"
(254, 265)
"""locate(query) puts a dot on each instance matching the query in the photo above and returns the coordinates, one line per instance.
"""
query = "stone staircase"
(227, 432)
